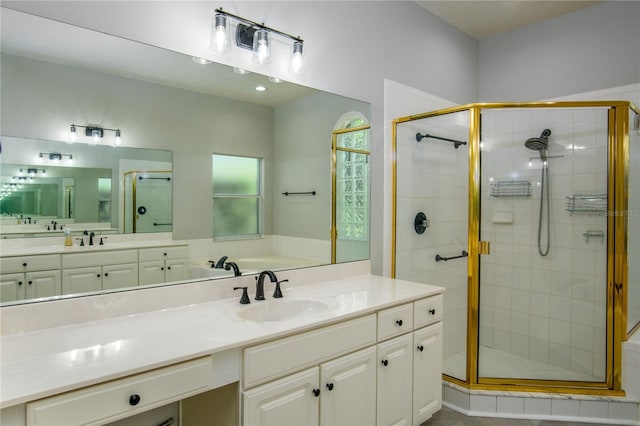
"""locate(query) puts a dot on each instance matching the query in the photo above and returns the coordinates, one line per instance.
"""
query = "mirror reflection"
(155, 193)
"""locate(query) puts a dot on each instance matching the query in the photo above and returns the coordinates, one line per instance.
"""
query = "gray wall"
(591, 49)
(351, 47)
(302, 162)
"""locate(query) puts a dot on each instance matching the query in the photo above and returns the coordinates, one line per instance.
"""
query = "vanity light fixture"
(96, 133)
(54, 156)
(253, 36)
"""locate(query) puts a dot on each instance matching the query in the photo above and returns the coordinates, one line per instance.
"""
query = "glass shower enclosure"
(528, 214)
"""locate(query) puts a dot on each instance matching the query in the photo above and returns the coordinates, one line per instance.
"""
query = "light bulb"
(219, 42)
(95, 136)
(73, 135)
(261, 46)
(118, 138)
(297, 58)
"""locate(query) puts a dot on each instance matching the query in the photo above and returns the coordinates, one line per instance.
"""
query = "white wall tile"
(594, 409)
(509, 404)
(623, 411)
(565, 407)
(537, 406)
(483, 403)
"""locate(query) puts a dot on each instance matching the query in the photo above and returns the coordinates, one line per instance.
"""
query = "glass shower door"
(543, 287)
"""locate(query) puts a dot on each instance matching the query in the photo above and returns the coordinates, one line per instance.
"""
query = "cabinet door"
(119, 276)
(395, 381)
(151, 272)
(12, 287)
(427, 372)
(348, 387)
(81, 280)
(176, 270)
(43, 284)
(292, 400)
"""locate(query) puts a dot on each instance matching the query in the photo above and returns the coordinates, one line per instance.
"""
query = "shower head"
(539, 144)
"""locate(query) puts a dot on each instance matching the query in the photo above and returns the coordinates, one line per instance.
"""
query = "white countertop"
(46, 362)
(27, 250)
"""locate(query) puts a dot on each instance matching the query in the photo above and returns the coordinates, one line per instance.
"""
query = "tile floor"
(448, 417)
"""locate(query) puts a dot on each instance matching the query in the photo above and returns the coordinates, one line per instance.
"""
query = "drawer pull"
(384, 362)
(316, 392)
(421, 348)
(432, 311)
(134, 399)
(399, 322)
(330, 386)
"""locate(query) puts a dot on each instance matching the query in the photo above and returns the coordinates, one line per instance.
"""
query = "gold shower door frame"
(134, 183)
(334, 193)
(617, 268)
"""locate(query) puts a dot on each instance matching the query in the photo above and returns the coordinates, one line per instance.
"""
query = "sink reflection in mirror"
(166, 104)
(282, 309)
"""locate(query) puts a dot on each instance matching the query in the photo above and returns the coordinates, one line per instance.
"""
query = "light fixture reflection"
(297, 59)
(262, 46)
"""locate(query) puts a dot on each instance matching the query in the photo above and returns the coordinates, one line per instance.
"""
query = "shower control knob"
(399, 322)
(134, 399)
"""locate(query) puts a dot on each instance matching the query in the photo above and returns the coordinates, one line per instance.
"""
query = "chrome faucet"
(260, 283)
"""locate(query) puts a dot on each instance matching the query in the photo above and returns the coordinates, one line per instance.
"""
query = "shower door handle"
(484, 247)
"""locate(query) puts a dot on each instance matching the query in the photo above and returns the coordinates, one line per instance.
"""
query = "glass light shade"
(118, 137)
(95, 136)
(73, 135)
(220, 40)
(296, 66)
(262, 46)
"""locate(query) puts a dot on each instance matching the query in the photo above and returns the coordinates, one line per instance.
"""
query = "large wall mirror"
(174, 113)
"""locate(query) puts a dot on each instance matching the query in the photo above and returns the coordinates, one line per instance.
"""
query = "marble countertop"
(46, 362)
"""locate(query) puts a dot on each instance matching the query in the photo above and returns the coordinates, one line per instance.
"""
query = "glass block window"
(237, 196)
(352, 181)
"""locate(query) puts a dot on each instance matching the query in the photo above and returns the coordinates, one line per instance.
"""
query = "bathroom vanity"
(46, 271)
(354, 350)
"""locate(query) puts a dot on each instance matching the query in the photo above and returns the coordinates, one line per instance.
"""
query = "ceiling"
(483, 19)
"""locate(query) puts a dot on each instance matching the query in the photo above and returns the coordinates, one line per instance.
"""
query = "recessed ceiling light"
(201, 61)
(275, 80)
(260, 88)
(240, 71)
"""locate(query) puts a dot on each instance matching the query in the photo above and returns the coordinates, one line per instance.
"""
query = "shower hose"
(545, 189)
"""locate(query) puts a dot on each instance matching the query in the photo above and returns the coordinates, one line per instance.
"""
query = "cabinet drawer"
(395, 321)
(161, 253)
(82, 260)
(427, 311)
(113, 400)
(29, 263)
(271, 360)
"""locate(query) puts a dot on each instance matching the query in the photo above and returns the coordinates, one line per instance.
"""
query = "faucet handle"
(81, 241)
(244, 300)
(277, 293)
(101, 240)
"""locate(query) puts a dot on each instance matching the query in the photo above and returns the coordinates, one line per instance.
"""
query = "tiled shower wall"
(432, 177)
(550, 309)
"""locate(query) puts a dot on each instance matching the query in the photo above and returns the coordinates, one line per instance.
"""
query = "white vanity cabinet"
(383, 369)
(106, 270)
(28, 277)
(163, 264)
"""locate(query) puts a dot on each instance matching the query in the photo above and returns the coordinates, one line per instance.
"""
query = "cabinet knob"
(162, 268)
(24, 264)
(399, 322)
(165, 254)
(98, 275)
(134, 399)
(384, 362)
(19, 282)
(432, 311)
(421, 348)
(106, 274)
(330, 386)
(316, 392)
(168, 267)
(30, 282)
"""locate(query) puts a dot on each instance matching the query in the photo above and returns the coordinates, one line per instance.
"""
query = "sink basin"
(278, 310)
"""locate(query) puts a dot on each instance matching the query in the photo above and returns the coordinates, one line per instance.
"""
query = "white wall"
(593, 48)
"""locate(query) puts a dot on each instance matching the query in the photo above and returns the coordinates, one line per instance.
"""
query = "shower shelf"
(512, 188)
(587, 203)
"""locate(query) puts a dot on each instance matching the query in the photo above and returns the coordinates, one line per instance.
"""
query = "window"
(237, 196)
